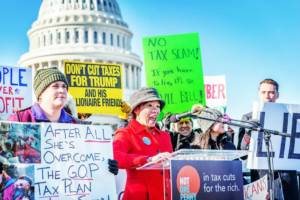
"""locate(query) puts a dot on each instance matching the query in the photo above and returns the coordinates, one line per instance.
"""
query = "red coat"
(133, 145)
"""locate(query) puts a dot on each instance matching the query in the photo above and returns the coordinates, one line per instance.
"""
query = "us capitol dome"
(82, 30)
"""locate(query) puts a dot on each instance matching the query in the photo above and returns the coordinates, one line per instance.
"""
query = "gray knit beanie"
(208, 113)
(144, 95)
(44, 77)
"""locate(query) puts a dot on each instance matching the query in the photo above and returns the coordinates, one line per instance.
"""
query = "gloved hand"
(197, 108)
(166, 122)
(113, 166)
(226, 118)
(125, 107)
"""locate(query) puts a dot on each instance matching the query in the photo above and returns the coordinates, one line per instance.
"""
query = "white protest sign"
(256, 190)
(15, 90)
(215, 90)
(74, 162)
(285, 152)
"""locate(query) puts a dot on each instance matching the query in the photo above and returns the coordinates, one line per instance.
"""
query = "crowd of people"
(51, 91)
(142, 140)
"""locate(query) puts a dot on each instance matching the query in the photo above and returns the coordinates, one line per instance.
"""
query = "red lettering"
(14, 102)
(221, 91)
(214, 88)
(254, 189)
(208, 91)
(260, 186)
(6, 90)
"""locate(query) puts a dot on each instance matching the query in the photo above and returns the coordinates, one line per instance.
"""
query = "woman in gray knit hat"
(141, 142)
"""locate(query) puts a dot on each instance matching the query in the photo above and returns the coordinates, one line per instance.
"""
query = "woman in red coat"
(140, 142)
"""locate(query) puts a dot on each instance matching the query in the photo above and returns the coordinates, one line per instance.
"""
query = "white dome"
(101, 7)
(82, 30)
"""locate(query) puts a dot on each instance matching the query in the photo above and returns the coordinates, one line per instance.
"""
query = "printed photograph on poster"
(20, 143)
(17, 181)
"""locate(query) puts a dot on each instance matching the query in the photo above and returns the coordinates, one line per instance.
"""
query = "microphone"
(176, 118)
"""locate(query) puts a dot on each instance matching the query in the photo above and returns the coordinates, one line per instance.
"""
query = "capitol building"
(83, 30)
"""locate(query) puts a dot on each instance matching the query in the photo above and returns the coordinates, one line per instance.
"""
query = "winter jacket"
(133, 145)
(36, 114)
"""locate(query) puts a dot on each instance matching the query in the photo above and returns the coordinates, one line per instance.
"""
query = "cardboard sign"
(215, 90)
(284, 118)
(173, 67)
(197, 179)
(15, 90)
(96, 87)
(256, 190)
(74, 162)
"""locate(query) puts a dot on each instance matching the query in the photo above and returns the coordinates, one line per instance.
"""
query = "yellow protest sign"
(95, 87)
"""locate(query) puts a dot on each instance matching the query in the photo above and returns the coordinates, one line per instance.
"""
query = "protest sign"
(74, 163)
(198, 179)
(173, 67)
(284, 118)
(15, 90)
(96, 87)
(215, 90)
(20, 142)
(256, 190)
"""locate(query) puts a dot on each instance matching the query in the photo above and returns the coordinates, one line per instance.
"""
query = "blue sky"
(246, 40)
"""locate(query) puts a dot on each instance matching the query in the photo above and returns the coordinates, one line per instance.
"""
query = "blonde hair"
(202, 140)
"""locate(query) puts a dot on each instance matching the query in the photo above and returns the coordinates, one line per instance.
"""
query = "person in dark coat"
(268, 91)
(183, 134)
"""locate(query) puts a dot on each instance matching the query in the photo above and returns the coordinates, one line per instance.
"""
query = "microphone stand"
(267, 137)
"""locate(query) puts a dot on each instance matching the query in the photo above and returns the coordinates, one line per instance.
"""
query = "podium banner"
(198, 179)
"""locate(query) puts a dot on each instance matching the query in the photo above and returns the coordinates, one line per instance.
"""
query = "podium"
(186, 162)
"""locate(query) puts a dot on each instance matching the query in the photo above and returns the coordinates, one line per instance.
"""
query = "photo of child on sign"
(17, 182)
(20, 143)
